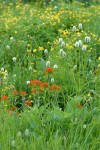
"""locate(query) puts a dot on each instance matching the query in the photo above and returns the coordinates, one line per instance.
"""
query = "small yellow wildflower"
(34, 70)
(89, 94)
(41, 48)
(34, 50)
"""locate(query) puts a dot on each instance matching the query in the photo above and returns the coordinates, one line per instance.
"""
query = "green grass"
(49, 105)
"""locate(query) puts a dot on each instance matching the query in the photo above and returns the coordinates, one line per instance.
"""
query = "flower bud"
(27, 132)
(19, 134)
(13, 144)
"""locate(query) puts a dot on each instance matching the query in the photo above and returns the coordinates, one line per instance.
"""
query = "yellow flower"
(34, 70)
(98, 65)
(28, 50)
(41, 48)
(89, 94)
(16, 32)
(34, 50)
(99, 58)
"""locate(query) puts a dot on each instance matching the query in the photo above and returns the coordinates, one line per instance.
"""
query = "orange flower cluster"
(15, 92)
(4, 98)
(48, 70)
(28, 103)
(23, 93)
(35, 82)
(44, 85)
(79, 106)
(54, 88)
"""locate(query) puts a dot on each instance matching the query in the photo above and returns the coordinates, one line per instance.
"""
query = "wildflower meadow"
(49, 75)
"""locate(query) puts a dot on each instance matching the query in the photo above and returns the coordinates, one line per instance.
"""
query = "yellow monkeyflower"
(99, 58)
(98, 65)
(34, 50)
(88, 94)
(41, 48)
(34, 70)
(28, 50)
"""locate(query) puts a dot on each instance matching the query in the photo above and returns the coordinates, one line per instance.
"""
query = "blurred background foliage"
(46, 2)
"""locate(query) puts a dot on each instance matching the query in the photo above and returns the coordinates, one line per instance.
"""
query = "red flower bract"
(35, 82)
(33, 91)
(55, 88)
(4, 98)
(44, 85)
(13, 108)
(23, 93)
(48, 70)
(15, 92)
(79, 106)
(28, 103)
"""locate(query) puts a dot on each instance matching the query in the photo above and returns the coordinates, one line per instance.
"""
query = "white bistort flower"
(11, 39)
(52, 80)
(14, 75)
(30, 68)
(2, 69)
(7, 47)
(27, 82)
(80, 43)
(74, 28)
(84, 126)
(60, 40)
(83, 48)
(87, 39)
(48, 64)
(75, 67)
(14, 59)
(19, 134)
(77, 44)
(55, 66)
(80, 26)
(61, 51)
(45, 51)
(27, 132)
(13, 143)
(63, 54)
(62, 44)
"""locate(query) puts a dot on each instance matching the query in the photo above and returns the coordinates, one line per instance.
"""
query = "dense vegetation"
(49, 76)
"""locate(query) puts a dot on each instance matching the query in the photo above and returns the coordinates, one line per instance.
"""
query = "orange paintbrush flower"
(23, 93)
(4, 98)
(55, 88)
(79, 106)
(35, 82)
(28, 103)
(44, 85)
(15, 92)
(48, 70)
